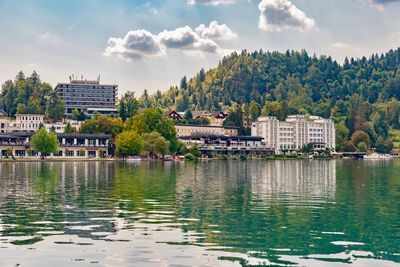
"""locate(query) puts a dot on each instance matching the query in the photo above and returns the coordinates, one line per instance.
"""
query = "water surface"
(219, 213)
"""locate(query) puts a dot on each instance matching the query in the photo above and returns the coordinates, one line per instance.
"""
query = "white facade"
(189, 130)
(27, 122)
(295, 132)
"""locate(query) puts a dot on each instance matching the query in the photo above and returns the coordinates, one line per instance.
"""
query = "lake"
(216, 213)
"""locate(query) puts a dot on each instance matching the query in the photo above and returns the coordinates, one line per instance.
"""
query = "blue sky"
(152, 44)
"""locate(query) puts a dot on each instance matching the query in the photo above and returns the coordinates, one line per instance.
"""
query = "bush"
(223, 157)
(243, 157)
(234, 157)
(189, 156)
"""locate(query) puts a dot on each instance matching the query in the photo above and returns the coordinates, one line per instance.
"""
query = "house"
(190, 130)
(173, 115)
(216, 117)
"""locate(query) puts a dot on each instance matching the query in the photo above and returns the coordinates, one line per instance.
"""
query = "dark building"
(88, 97)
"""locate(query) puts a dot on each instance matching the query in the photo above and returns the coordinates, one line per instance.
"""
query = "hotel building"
(295, 132)
(88, 97)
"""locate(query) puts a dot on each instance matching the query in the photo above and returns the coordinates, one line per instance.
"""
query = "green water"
(219, 213)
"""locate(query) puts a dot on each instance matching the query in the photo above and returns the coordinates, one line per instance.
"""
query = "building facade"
(295, 132)
(17, 145)
(27, 123)
(191, 130)
(88, 97)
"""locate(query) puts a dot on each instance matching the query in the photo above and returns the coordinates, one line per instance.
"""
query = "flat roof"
(206, 126)
(59, 135)
(223, 137)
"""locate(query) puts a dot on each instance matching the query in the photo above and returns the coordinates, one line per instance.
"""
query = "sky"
(152, 44)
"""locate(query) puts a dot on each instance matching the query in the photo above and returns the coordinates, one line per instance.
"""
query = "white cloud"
(216, 31)
(135, 44)
(278, 15)
(211, 2)
(141, 43)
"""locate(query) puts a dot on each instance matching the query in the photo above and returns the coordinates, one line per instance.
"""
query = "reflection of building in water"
(260, 179)
(299, 177)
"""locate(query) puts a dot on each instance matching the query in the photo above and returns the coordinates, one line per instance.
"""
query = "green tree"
(68, 128)
(155, 144)
(153, 119)
(44, 142)
(254, 110)
(188, 115)
(362, 147)
(128, 105)
(342, 133)
(54, 107)
(128, 143)
(360, 136)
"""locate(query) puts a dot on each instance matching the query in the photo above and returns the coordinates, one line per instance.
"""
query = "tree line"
(362, 94)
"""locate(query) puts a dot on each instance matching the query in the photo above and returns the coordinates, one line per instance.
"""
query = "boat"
(168, 158)
(133, 159)
(377, 156)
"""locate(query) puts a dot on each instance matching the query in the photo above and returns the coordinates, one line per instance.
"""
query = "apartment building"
(295, 132)
(89, 97)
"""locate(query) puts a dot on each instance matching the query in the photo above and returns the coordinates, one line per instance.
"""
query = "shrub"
(189, 156)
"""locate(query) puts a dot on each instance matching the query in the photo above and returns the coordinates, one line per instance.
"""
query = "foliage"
(189, 156)
(153, 120)
(360, 136)
(27, 94)
(68, 128)
(154, 144)
(361, 94)
(128, 105)
(383, 146)
(44, 142)
(102, 125)
(54, 107)
(128, 143)
(78, 116)
(362, 147)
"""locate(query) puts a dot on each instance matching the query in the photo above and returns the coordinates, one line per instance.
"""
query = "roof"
(59, 135)
(222, 137)
(206, 126)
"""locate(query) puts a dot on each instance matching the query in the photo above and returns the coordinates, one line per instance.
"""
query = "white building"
(190, 130)
(295, 132)
(27, 123)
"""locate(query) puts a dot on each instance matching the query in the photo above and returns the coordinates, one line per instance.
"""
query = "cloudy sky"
(152, 43)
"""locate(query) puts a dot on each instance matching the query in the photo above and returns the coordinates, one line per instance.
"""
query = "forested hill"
(360, 94)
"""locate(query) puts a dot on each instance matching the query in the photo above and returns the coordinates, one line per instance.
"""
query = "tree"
(188, 115)
(254, 110)
(362, 147)
(75, 114)
(128, 105)
(342, 133)
(153, 119)
(348, 146)
(155, 144)
(44, 142)
(128, 143)
(383, 146)
(68, 128)
(360, 136)
(55, 107)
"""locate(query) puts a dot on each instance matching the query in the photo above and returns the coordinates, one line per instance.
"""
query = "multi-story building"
(190, 130)
(88, 97)
(27, 123)
(295, 132)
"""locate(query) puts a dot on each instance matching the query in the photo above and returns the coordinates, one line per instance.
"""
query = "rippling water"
(219, 213)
